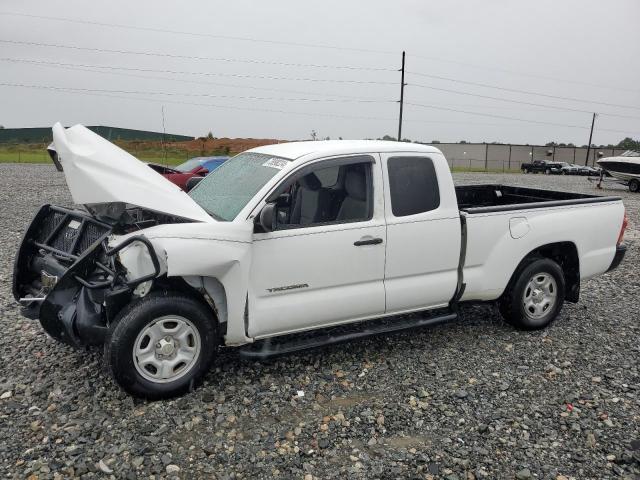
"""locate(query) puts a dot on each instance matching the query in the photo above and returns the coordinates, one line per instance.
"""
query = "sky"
(527, 71)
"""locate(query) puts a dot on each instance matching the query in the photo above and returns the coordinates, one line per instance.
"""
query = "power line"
(197, 34)
(195, 57)
(253, 61)
(228, 107)
(527, 92)
(90, 68)
(306, 45)
(268, 110)
(503, 117)
(113, 71)
(310, 114)
(523, 74)
(216, 74)
(458, 92)
(207, 95)
(87, 67)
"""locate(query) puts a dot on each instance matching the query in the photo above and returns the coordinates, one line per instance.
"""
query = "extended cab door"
(324, 262)
(423, 231)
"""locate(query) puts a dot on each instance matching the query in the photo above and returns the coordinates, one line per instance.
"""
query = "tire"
(523, 302)
(634, 185)
(563, 172)
(151, 323)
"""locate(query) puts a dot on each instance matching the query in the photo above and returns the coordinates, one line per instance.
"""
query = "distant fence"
(506, 157)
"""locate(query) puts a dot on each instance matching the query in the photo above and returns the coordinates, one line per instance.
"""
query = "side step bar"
(271, 347)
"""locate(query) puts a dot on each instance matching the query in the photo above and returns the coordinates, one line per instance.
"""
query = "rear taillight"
(625, 223)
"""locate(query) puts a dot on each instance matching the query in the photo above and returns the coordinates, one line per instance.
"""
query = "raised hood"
(97, 171)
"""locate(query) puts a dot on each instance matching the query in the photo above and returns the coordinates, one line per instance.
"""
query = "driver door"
(323, 264)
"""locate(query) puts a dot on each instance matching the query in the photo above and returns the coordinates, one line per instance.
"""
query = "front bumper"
(66, 276)
(617, 258)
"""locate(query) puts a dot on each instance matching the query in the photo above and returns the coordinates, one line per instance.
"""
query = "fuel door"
(518, 227)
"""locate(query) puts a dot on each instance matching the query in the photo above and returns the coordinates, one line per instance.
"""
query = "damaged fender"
(220, 251)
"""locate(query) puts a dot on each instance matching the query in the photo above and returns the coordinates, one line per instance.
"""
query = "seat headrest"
(355, 184)
(310, 182)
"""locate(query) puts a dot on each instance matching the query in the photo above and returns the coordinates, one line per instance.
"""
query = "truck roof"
(295, 150)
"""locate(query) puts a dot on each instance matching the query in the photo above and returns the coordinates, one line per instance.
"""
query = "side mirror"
(268, 217)
(204, 172)
(192, 182)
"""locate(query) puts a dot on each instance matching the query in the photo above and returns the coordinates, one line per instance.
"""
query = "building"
(43, 135)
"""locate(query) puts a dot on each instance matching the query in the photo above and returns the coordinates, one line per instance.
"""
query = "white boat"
(625, 167)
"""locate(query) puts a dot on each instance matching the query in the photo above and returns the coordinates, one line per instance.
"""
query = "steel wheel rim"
(540, 295)
(166, 349)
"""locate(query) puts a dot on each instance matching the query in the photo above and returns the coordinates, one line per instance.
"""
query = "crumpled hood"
(97, 171)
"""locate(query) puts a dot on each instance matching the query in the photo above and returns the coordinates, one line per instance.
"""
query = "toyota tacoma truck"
(291, 246)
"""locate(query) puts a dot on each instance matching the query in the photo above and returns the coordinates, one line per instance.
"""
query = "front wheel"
(161, 346)
(634, 185)
(534, 296)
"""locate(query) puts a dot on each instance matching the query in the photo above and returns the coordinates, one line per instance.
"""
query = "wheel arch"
(564, 254)
(208, 290)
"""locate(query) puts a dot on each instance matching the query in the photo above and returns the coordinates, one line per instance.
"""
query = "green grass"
(24, 157)
(41, 156)
(34, 153)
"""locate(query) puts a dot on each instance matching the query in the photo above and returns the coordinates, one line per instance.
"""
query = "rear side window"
(328, 176)
(413, 185)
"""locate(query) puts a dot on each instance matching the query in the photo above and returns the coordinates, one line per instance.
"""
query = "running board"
(271, 347)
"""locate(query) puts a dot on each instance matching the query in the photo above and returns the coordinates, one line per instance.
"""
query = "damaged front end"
(67, 276)
(76, 269)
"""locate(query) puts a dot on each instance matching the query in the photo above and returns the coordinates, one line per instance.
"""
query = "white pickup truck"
(336, 238)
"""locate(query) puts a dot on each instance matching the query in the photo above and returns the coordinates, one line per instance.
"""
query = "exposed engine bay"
(68, 276)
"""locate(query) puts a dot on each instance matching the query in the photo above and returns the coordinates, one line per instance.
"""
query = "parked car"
(542, 166)
(194, 167)
(289, 238)
(569, 169)
(591, 171)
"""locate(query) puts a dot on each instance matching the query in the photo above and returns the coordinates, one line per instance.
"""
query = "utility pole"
(402, 84)
(593, 121)
(164, 140)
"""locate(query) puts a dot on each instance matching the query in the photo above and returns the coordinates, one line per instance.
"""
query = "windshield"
(188, 165)
(228, 189)
(630, 153)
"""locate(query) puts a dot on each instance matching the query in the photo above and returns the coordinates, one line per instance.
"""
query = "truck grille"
(68, 231)
(54, 241)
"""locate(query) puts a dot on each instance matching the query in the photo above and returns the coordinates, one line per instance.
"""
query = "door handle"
(369, 241)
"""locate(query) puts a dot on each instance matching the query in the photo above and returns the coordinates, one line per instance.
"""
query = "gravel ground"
(471, 399)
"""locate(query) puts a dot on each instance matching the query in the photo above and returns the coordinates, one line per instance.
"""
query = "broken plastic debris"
(300, 393)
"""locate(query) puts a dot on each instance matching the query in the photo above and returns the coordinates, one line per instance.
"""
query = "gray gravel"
(472, 399)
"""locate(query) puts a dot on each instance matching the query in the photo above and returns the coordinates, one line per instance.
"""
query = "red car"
(194, 167)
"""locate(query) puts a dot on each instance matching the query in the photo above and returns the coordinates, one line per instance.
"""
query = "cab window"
(338, 193)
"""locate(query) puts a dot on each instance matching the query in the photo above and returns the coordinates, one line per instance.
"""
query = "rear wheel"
(535, 295)
(634, 185)
(161, 345)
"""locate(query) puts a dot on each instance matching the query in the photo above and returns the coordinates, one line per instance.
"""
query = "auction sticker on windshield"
(278, 163)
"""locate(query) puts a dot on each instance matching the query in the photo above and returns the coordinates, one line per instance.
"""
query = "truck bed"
(498, 198)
